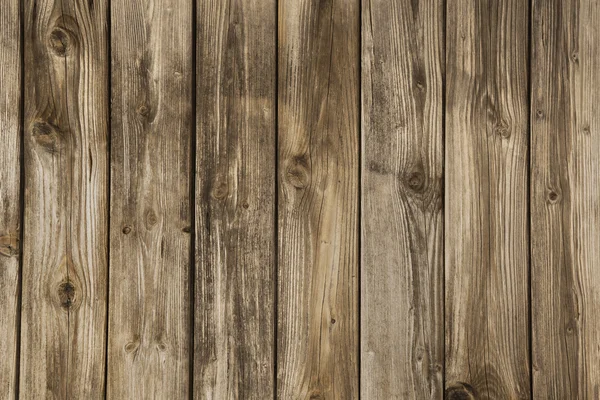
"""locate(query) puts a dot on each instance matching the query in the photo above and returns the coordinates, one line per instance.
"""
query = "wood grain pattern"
(235, 207)
(318, 105)
(66, 178)
(402, 220)
(10, 193)
(487, 332)
(152, 117)
(565, 221)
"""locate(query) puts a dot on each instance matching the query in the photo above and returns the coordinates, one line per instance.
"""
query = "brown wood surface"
(150, 228)
(565, 177)
(402, 311)
(318, 111)
(235, 200)
(10, 193)
(66, 180)
(486, 235)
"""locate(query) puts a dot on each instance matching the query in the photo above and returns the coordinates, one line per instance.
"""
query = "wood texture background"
(298, 199)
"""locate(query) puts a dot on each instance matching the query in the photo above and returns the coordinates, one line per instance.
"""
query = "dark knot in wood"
(66, 295)
(9, 246)
(59, 42)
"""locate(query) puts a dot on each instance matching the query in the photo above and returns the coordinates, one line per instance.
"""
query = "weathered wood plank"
(318, 111)
(66, 177)
(235, 210)
(152, 117)
(487, 334)
(402, 205)
(565, 220)
(10, 193)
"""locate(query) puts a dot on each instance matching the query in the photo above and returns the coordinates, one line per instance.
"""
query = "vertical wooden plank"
(10, 194)
(318, 111)
(487, 326)
(152, 117)
(235, 188)
(66, 177)
(402, 216)
(565, 218)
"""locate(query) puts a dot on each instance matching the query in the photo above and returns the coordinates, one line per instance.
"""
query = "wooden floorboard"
(402, 205)
(235, 206)
(150, 227)
(486, 214)
(299, 199)
(66, 215)
(318, 111)
(10, 193)
(565, 223)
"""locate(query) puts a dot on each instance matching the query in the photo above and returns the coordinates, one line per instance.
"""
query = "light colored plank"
(10, 194)
(318, 109)
(66, 179)
(152, 117)
(235, 210)
(486, 246)
(565, 220)
(402, 315)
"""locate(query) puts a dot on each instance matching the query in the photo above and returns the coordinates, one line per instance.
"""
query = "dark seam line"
(529, 180)
(443, 133)
(21, 194)
(192, 200)
(359, 205)
(276, 210)
(109, 183)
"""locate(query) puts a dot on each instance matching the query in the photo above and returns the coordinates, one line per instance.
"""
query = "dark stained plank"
(318, 115)
(152, 117)
(66, 179)
(10, 193)
(486, 246)
(402, 338)
(235, 207)
(565, 219)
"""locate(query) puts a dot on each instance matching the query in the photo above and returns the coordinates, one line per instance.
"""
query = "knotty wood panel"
(152, 117)
(10, 194)
(565, 223)
(235, 232)
(402, 221)
(318, 108)
(486, 246)
(66, 177)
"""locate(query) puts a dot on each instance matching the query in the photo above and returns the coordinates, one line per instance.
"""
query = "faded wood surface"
(10, 193)
(402, 310)
(565, 177)
(235, 200)
(486, 236)
(149, 321)
(66, 179)
(318, 111)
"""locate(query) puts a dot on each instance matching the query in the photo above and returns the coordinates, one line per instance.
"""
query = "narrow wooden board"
(318, 114)
(150, 242)
(402, 312)
(66, 179)
(10, 193)
(486, 203)
(565, 222)
(235, 207)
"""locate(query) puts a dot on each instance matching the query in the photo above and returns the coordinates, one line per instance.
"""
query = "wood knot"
(460, 391)
(553, 197)
(46, 135)
(9, 246)
(144, 110)
(220, 191)
(586, 129)
(416, 181)
(126, 230)
(501, 129)
(161, 346)
(575, 57)
(245, 205)
(187, 229)
(316, 395)
(539, 114)
(571, 327)
(297, 176)
(333, 321)
(150, 218)
(59, 41)
(132, 346)
(66, 295)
